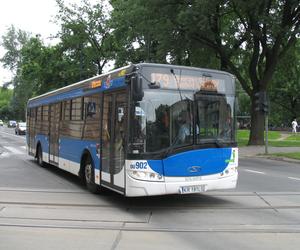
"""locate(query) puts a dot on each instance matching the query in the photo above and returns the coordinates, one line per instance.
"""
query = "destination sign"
(96, 84)
(167, 81)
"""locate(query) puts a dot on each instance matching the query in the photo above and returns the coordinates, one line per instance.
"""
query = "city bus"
(141, 130)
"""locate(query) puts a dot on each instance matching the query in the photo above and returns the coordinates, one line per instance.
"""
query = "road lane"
(261, 174)
(47, 206)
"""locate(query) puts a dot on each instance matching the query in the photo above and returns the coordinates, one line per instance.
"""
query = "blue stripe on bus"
(72, 150)
(114, 83)
(43, 139)
(193, 163)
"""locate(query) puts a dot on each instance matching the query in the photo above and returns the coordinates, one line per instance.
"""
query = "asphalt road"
(46, 208)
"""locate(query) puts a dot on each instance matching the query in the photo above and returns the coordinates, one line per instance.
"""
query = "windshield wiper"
(177, 83)
(218, 142)
(170, 149)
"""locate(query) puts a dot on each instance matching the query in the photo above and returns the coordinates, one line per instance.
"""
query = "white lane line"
(14, 150)
(5, 154)
(16, 136)
(253, 171)
(294, 178)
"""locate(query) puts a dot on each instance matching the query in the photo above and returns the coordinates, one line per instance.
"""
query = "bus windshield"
(168, 118)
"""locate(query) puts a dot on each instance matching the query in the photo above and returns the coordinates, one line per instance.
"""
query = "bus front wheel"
(89, 176)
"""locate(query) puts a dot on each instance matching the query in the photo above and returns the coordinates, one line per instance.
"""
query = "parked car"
(12, 124)
(20, 128)
(1, 123)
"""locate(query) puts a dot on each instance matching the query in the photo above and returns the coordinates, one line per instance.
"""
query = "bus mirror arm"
(137, 88)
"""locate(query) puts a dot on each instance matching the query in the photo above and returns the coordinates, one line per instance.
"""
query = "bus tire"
(39, 156)
(89, 175)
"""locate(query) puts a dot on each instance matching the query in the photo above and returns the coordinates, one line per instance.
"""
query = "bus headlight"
(145, 176)
(231, 170)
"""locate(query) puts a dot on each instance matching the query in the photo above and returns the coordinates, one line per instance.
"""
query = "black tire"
(39, 156)
(89, 176)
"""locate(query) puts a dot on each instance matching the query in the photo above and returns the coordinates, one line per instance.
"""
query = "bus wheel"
(89, 176)
(39, 156)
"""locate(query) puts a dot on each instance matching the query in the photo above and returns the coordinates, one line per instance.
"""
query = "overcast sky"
(33, 16)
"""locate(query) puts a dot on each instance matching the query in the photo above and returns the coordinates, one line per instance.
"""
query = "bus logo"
(194, 169)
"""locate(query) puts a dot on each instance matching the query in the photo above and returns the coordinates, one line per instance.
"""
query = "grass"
(285, 143)
(293, 140)
(295, 155)
(274, 136)
(294, 137)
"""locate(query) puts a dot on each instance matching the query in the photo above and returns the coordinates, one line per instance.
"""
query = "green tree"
(12, 42)
(285, 89)
(42, 69)
(249, 38)
(146, 33)
(5, 97)
(85, 36)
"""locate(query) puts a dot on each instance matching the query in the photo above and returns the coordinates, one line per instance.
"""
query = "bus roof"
(184, 67)
(86, 86)
(83, 83)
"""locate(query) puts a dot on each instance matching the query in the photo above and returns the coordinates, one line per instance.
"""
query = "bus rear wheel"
(39, 156)
(89, 176)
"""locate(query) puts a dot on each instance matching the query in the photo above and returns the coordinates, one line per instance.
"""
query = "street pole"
(266, 131)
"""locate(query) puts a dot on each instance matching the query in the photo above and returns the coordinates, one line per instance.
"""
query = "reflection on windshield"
(165, 119)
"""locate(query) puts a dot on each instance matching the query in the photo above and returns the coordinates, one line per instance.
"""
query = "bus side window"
(76, 113)
(66, 110)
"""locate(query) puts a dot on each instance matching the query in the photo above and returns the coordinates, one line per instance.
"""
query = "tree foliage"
(254, 40)
(249, 38)
(13, 42)
(285, 88)
(151, 31)
(85, 35)
(5, 97)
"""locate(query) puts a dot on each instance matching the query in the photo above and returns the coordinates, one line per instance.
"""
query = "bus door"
(54, 115)
(113, 140)
(31, 123)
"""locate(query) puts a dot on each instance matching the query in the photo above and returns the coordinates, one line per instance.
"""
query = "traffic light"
(261, 101)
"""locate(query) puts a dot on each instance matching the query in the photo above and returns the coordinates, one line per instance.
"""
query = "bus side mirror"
(137, 88)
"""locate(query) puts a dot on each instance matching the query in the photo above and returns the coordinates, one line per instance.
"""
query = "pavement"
(259, 151)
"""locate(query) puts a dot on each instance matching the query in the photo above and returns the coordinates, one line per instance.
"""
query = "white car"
(20, 128)
(11, 124)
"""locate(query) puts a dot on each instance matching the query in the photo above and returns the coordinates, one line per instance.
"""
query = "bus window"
(67, 105)
(76, 109)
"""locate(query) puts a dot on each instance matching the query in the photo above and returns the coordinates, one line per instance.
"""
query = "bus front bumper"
(179, 185)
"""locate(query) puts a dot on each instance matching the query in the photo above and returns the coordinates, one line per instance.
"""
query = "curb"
(276, 158)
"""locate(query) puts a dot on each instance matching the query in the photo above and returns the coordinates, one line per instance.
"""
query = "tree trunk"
(257, 126)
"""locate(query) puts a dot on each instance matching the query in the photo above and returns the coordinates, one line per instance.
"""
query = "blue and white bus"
(141, 130)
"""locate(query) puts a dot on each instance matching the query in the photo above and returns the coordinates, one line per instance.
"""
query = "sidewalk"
(250, 151)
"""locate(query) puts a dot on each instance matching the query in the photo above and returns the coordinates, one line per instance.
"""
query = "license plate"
(192, 189)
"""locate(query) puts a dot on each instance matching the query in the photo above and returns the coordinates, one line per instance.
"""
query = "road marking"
(253, 171)
(5, 154)
(14, 150)
(294, 178)
(16, 136)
